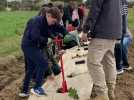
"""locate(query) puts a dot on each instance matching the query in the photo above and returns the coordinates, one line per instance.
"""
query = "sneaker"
(121, 71)
(127, 68)
(23, 95)
(38, 91)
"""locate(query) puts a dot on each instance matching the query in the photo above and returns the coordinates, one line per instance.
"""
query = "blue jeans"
(121, 52)
(121, 49)
(126, 43)
(118, 55)
(36, 62)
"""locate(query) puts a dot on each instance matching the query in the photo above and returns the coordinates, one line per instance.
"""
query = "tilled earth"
(12, 73)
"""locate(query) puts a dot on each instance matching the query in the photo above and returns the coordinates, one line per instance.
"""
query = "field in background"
(131, 18)
(12, 25)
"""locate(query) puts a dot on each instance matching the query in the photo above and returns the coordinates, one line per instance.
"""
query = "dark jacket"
(124, 12)
(68, 11)
(37, 32)
(104, 20)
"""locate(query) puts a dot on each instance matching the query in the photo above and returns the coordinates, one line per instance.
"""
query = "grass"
(72, 92)
(131, 18)
(12, 25)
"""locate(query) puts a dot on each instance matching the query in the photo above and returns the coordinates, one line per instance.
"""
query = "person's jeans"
(121, 52)
(118, 55)
(36, 62)
(126, 43)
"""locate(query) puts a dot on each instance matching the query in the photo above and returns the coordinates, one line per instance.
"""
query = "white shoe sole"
(32, 91)
(23, 95)
(129, 68)
(120, 72)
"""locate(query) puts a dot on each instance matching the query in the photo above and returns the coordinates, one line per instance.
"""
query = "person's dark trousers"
(125, 45)
(80, 26)
(119, 46)
(25, 61)
(126, 41)
(118, 56)
(35, 62)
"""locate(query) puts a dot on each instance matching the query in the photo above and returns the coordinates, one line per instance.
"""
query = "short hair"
(47, 5)
(61, 8)
(44, 8)
(44, 5)
(55, 13)
(43, 11)
(50, 5)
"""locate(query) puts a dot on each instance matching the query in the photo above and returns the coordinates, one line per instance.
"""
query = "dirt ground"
(12, 73)
(125, 82)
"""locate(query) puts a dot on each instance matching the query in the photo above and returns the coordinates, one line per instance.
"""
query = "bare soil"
(12, 73)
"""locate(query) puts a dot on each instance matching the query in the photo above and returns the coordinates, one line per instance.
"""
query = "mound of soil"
(11, 73)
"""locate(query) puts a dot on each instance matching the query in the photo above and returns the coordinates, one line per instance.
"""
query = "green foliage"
(14, 5)
(73, 93)
(3, 2)
(2, 8)
(2, 5)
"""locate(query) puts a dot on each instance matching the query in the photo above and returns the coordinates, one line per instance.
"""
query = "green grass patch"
(131, 18)
(11, 27)
(13, 23)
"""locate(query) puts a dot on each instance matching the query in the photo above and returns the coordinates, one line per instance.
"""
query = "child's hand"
(51, 78)
(83, 37)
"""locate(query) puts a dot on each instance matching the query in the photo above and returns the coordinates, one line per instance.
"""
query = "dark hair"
(60, 7)
(55, 12)
(50, 4)
(44, 5)
(43, 11)
(47, 5)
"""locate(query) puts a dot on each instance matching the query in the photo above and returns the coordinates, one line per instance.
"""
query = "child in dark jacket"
(54, 68)
(35, 38)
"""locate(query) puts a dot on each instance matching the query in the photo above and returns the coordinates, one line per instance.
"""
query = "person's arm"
(96, 6)
(60, 29)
